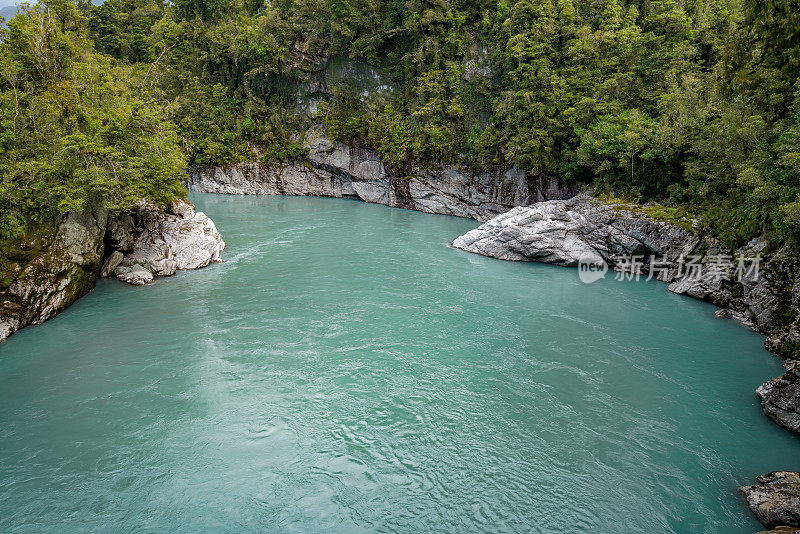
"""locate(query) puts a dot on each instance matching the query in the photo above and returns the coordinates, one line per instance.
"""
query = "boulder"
(180, 239)
(775, 499)
(136, 275)
(780, 397)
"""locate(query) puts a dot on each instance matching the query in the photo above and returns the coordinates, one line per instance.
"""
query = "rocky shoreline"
(341, 171)
(564, 232)
(54, 269)
(583, 230)
(148, 243)
(337, 170)
(775, 500)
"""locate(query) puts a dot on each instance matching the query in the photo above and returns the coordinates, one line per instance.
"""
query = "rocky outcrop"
(337, 170)
(45, 272)
(761, 292)
(161, 243)
(582, 228)
(780, 397)
(584, 231)
(775, 499)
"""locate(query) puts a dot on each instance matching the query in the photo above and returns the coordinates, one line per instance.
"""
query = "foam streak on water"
(346, 371)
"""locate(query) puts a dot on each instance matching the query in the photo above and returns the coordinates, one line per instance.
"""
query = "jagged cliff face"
(337, 170)
(44, 274)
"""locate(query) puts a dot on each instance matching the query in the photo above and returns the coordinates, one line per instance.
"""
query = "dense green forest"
(693, 103)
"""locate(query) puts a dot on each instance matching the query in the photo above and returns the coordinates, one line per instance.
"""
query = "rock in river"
(780, 397)
(775, 499)
(180, 239)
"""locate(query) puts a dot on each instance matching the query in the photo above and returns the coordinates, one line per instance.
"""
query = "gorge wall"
(337, 170)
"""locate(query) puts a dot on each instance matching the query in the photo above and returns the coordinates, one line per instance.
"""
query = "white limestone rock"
(181, 239)
(135, 275)
(565, 232)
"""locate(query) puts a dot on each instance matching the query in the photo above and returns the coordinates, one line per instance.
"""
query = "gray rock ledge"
(775, 499)
(780, 397)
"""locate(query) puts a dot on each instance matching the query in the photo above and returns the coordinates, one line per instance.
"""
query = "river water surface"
(346, 371)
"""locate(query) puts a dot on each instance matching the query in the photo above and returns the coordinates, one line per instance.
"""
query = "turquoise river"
(346, 371)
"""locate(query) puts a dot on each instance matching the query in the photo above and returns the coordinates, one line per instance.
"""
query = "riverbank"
(766, 303)
(764, 296)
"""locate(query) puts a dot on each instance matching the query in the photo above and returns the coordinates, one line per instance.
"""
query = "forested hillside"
(694, 104)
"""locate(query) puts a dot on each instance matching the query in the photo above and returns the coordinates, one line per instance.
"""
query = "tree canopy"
(693, 103)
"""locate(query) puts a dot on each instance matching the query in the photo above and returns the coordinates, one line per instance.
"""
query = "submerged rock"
(780, 397)
(180, 239)
(775, 499)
